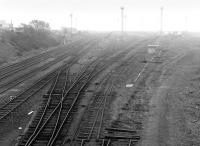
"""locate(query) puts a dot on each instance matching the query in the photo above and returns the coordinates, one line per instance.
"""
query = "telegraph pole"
(71, 17)
(186, 24)
(161, 19)
(122, 20)
(11, 26)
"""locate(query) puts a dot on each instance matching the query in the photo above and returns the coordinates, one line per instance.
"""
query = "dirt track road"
(173, 119)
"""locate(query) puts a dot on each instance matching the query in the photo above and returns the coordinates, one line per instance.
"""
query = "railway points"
(94, 97)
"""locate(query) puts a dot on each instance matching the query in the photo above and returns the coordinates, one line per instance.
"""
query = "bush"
(33, 36)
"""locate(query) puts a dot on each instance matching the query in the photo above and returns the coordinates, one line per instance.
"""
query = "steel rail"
(72, 105)
(26, 89)
(25, 65)
(56, 125)
(17, 105)
(11, 66)
(55, 71)
(37, 126)
(14, 65)
(33, 136)
(58, 59)
(58, 107)
(50, 98)
(29, 74)
(36, 82)
(100, 110)
(102, 113)
(8, 73)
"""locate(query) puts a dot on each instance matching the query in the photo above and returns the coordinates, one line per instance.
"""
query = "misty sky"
(104, 15)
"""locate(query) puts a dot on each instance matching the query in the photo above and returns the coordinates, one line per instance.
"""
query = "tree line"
(37, 34)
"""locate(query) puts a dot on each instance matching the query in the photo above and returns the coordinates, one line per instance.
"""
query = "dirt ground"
(173, 117)
(163, 106)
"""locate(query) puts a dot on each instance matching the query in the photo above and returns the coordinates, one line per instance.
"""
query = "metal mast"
(122, 19)
(71, 17)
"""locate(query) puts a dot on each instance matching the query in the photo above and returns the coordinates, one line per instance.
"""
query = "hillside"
(7, 52)
(26, 40)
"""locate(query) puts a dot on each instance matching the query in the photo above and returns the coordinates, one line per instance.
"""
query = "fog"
(104, 15)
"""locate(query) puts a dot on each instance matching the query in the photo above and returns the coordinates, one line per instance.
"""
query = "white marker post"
(30, 112)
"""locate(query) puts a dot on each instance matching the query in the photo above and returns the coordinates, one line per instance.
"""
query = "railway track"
(22, 65)
(94, 129)
(15, 102)
(90, 129)
(57, 109)
(13, 69)
(53, 120)
(24, 76)
(5, 86)
(16, 65)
